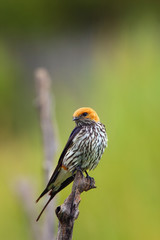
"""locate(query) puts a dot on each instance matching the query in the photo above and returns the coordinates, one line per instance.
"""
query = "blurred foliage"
(14, 95)
(121, 82)
(35, 17)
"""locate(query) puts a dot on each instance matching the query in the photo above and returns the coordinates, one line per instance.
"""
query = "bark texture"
(68, 212)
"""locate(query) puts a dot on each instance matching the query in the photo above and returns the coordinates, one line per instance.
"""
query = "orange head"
(85, 114)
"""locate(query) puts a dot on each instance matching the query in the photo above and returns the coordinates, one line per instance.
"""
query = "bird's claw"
(77, 169)
(88, 177)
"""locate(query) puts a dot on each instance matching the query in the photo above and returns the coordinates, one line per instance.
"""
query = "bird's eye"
(85, 114)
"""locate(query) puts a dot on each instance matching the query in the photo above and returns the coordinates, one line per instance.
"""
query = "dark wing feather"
(68, 145)
(59, 165)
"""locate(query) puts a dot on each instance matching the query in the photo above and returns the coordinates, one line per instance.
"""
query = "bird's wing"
(59, 165)
(68, 145)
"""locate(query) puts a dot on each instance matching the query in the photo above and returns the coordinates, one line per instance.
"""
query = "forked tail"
(53, 192)
(44, 208)
(42, 194)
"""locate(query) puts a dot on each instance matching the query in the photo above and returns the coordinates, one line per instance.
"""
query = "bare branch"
(44, 105)
(68, 212)
(49, 135)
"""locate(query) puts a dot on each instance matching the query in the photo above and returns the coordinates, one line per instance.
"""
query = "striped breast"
(87, 148)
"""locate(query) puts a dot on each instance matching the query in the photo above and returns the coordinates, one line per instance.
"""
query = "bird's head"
(85, 115)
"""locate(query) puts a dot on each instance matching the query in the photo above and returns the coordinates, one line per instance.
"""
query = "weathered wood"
(45, 107)
(68, 212)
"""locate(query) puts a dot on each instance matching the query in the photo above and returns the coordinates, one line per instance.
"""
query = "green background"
(102, 55)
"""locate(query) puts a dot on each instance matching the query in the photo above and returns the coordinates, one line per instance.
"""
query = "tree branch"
(49, 132)
(46, 111)
(68, 212)
(45, 107)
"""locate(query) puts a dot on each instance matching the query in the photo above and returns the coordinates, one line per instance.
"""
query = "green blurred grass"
(123, 86)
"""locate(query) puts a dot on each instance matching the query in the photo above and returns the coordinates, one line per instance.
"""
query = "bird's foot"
(77, 169)
(87, 176)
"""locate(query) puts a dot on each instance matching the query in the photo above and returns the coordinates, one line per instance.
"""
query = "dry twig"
(68, 212)
(48, 127)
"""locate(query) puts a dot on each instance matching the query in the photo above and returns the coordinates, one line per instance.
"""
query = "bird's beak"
(75, 118)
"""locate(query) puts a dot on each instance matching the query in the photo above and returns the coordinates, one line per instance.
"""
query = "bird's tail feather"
(42, 194)
(53, 193)
(44, 207)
